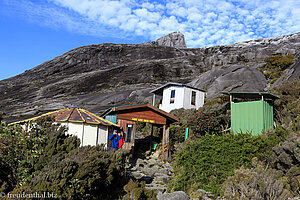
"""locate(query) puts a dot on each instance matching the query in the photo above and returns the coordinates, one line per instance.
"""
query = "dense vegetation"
(275, 65)
(213, 118)
(222, 162)
(137, 190)
(207, 162)
(277, 179)
(45, 159)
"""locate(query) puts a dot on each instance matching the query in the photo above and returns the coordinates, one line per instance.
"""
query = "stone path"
(151, 170)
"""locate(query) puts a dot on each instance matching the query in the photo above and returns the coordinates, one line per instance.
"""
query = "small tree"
(202, 123)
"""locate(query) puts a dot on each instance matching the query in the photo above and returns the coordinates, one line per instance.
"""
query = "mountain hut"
(88, 127)
(127, 116)
(251, 111)
(177, 95)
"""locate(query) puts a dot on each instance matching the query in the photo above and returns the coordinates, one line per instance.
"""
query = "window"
(129, 133)
(172, 98)
(193, 99)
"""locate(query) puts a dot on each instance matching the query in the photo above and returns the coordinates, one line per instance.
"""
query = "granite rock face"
(288, 155)
(99, 76)
(175, 39)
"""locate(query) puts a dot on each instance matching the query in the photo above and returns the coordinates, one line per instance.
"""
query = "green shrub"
(7, 177)
(21, 150)
(213, 118)
(177, 133)
(279, 61)
(287, 107)
(85, 173)
(45, 159)
(256, 183)
(202, 123)
(206, 162)
(275, 65)
(177, 130)
(137, 190)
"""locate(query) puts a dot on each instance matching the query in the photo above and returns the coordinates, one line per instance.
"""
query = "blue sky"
(35, 31)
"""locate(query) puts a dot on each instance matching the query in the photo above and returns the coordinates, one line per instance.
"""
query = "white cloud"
(148, 6)
(204, 23)
(194, 17)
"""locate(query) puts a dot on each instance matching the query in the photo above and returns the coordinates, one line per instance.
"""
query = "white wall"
(74, 129)
(103, 135)
(188, 98)
(87, 133)
(183, 97)
(178, 102)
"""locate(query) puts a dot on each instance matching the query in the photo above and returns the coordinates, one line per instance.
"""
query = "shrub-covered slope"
(47, 160)
(240, 166)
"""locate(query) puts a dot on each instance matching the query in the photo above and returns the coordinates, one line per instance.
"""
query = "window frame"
(172, 96)
(193, 98)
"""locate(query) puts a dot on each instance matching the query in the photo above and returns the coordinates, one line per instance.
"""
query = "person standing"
(121, 141)
(114, 140)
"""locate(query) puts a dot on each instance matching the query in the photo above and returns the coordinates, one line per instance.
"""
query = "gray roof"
(251, 95)
(159, 90)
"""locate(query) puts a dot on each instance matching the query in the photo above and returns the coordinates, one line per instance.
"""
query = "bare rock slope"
(96, 77)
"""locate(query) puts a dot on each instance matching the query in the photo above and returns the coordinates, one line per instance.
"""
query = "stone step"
(156, 187)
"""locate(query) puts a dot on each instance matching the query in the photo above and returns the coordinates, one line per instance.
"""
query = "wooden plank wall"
(143, 115)
(123, 123)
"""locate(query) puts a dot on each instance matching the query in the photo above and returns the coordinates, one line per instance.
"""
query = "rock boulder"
(179, 195)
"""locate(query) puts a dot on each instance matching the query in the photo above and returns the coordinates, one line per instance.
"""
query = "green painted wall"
(252, 116)
(112, 118)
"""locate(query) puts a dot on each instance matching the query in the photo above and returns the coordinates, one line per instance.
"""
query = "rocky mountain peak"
(175, 39)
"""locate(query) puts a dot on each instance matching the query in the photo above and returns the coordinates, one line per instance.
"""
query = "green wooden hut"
(251, 111)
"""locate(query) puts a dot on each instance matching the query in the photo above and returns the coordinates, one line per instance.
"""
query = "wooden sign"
(143, 120)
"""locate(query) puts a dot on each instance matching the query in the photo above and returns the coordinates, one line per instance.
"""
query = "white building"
(88, 127)
(176, 96)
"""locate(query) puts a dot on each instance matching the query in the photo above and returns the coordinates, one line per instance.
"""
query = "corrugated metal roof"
(159, 90)
(251, 94)
(77, 115)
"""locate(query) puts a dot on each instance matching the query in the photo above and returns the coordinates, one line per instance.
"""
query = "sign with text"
(143, 120)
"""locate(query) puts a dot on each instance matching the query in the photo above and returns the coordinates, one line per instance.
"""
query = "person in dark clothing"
(114, 140)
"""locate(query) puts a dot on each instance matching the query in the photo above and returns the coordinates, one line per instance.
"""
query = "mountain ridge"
(99, 76)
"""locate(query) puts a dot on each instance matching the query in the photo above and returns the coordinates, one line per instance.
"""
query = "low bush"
(256, 183)
(205, 163)
(274, 66)
(177, 130)
(21, 150)
(84, 173)
(214, 117)
(137, 190)
(287, 107)
(45, 159)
